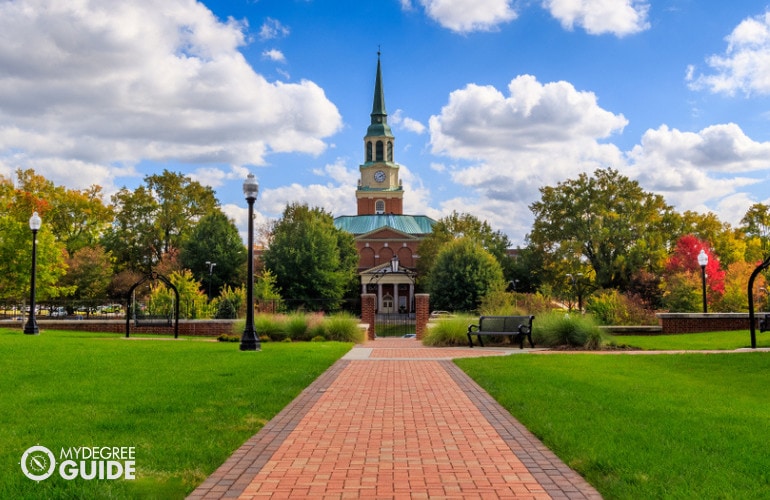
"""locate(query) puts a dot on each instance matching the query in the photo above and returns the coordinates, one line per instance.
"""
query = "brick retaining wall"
(198, 327)
(673, 323)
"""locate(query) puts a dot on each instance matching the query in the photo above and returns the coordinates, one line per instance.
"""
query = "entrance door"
(387, 305)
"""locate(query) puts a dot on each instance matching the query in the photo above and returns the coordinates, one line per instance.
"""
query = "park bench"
(764, 323)
(511, 326)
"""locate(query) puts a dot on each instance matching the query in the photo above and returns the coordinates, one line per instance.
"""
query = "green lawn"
(729, 340)
(645, 426)
(185, 405)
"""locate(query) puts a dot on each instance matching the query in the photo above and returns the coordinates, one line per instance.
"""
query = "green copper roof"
(362, 224)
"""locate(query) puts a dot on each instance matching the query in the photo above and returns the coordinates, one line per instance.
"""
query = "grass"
(673, 426)
(184, 405)
(729, 340)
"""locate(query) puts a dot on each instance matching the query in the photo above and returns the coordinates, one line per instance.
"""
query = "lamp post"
(31, 327)
(249, 340)
(578, 291)
(703, 261)
(211, 272)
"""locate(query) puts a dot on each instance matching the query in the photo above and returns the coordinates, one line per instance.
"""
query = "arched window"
(379, 207)
(369, 151)
(390, 151)
(379, 151)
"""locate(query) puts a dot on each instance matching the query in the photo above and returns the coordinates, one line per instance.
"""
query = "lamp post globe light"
(703, 260)
(31, 327)
(249, 339)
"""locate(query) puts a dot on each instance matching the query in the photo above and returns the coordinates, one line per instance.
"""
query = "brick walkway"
(395, 420)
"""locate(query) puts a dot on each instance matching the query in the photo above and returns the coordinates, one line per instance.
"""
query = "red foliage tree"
(684, 259)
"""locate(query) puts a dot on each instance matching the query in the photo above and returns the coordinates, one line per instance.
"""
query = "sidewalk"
(394, 419)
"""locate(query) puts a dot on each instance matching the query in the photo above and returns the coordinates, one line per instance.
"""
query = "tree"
(756, 222)
(181, 202)
(134, 239)
(155, 218)
(89, 273)
(463, 274)
(607, 221)
(455, 226)
(215, 239)
(314, 262)
(728, 243)
(16, 258)
(684, 261)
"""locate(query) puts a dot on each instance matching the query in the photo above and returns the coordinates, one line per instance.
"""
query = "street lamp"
(211, 271)
(249, 340)
(577, 285)
(703, 261)
(31, 327)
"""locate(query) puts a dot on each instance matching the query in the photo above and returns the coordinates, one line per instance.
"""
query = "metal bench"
(511, 326)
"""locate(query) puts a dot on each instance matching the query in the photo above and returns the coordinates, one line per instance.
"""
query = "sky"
(489, 100)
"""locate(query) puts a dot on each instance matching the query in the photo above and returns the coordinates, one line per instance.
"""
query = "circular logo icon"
(38, 463)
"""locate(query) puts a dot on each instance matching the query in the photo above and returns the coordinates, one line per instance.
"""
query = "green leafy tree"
(182, 202)
(16, 259)
(756, 222)
(313, 261)
(455, 226)
(134, 238)
(215, 239)
(607, 221)
(155, 218)
(463, 274)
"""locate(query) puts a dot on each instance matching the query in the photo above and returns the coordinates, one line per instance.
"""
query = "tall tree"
(134, 239)
(215, 239)
(607, 221)
(463, 274)
(89, 273)
(456, 226)
(181, 204)
(313, 261)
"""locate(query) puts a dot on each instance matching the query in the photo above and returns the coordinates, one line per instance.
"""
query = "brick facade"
(422, 313)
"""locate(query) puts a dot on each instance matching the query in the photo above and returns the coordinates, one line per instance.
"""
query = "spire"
(379, 126)
(378, 108)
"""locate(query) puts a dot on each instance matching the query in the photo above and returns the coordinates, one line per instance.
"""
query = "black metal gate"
(394, 324)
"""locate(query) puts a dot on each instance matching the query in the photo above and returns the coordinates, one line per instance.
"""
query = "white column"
(395, 297)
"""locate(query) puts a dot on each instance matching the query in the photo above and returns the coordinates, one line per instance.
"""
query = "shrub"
(227, 337)
(610, 307)
(271, 326)
(558, 329)
(450, 331)
(343, 327)
(318, 338)
(297, 326)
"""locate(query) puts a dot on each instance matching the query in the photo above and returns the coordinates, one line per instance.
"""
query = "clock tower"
(379, 189)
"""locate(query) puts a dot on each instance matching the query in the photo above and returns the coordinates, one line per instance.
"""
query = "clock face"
(379, 176)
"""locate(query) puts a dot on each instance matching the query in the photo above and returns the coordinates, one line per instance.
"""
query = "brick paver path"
(395, 420)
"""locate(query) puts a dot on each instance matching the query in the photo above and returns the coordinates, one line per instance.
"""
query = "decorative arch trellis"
(163, 321)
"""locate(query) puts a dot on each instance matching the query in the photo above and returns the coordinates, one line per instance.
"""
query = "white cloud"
(116, 83)
(696, 170)
(537, 135)
(745, 65)
(274, 55)
(407, 123)
(464, 16)
(618, 17)
(272, 29)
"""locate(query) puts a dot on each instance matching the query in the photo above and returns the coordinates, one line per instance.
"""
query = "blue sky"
(489, 100)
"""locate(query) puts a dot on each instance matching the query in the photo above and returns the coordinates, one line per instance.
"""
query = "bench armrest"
(472, 327)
